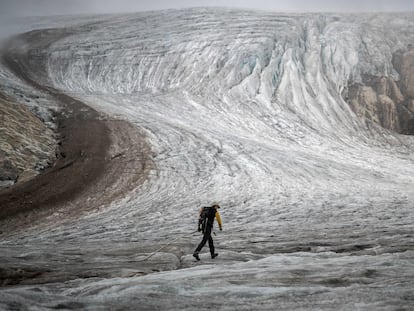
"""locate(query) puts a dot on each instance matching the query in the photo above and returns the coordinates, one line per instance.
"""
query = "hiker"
(205, 224)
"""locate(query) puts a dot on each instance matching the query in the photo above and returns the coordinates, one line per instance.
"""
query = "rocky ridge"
(385, 101)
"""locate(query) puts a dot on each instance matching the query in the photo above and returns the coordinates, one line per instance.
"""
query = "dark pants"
(206, 237)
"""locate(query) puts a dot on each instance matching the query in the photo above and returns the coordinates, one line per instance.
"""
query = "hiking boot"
(214, 255)
(195, 255)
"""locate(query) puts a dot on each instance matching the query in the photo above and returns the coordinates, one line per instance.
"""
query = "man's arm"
(218, 218)
(200, 221)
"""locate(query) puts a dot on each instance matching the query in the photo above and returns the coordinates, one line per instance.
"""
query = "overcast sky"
(12, 8)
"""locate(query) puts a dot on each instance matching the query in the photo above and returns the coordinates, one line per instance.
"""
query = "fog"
(62, 7)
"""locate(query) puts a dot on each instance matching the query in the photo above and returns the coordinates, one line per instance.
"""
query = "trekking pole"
(153, 253)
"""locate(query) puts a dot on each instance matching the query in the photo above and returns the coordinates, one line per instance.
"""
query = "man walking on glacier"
(205, 223)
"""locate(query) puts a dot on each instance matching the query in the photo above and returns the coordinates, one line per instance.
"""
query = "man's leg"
(202, 243)
(206, 237)
(211, 246)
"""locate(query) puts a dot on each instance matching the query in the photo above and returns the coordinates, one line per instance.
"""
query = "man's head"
(216, 206)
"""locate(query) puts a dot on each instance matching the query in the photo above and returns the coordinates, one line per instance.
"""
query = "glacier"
(241, 108)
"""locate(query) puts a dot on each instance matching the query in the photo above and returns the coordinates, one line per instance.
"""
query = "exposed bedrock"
(385, 101)
(26, 144)
(28, 129)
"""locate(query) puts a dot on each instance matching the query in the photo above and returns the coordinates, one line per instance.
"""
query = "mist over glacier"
(240, 108)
